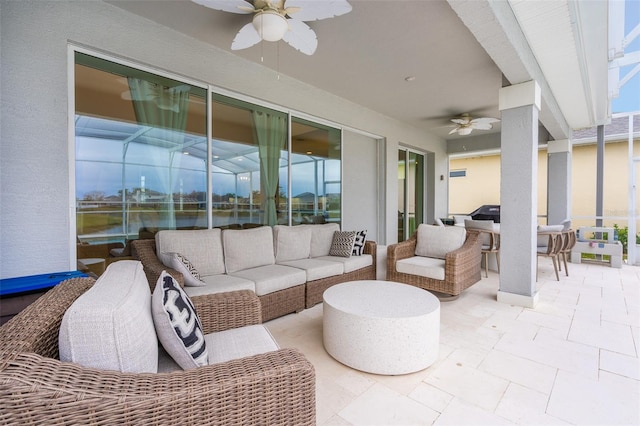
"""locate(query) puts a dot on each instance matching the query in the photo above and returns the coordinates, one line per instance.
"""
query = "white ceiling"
(365, 56)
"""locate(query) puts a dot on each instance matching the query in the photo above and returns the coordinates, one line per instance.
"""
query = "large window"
(140, 152)
(144, 163)
(250, 163)
(315, 171)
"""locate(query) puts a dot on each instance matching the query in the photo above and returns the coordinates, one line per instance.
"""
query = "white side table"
(381, 327)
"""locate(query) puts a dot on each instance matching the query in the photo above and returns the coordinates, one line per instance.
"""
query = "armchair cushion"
(423, 266)
(110, 327)
(292, 242)
(248, 248)
(177, 324)
(437, 241)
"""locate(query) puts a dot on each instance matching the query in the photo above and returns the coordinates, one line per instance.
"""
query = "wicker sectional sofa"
(272, 387)
(289, 268)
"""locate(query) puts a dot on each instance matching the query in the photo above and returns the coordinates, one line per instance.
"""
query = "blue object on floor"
(24, 285)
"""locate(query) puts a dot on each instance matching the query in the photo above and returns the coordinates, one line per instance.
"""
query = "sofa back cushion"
(437, 241)
(321, 238)
(110, 326)
(203, 248)
(248, 248)
(291, 242)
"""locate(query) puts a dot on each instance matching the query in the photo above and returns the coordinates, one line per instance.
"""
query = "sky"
(629, 99)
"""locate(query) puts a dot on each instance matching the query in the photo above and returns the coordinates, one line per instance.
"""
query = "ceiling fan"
(464, 124)
(273, 20)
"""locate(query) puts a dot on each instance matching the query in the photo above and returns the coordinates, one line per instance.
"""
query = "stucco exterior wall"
(482, 183)
(37, 232)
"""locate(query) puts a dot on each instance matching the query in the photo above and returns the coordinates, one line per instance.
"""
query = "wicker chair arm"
(467, 257)
(371, 247)
(223, 311)
(399, 251)
(273, 388)
(145, 252)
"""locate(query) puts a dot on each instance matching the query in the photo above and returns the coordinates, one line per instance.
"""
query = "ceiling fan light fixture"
(271, 26)
(464, 131)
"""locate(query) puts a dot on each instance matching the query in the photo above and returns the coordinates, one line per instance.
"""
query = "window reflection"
(142, 159)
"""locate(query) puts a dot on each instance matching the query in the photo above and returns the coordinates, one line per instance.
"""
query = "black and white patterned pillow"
(342, 244)
(181, 264)
(177, 324)
(358, 245)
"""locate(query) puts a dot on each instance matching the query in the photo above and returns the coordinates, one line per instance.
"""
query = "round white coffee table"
(381, 327)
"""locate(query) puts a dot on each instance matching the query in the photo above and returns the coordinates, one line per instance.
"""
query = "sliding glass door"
(411, 172)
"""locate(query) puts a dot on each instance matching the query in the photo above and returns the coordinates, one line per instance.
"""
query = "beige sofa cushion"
(291, 242)
(219, 284)
(317, 269)
(110, 326)
(428, 267)
(437, 241)
(203, 248)
(321, 238)
(231, 344)
(248, 248)
(352, 263)
(271, 278)
(240, 342)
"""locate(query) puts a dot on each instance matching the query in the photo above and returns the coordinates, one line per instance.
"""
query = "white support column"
(519, 105)
(558, 181)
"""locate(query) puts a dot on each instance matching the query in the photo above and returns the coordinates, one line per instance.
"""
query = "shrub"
(623, 236)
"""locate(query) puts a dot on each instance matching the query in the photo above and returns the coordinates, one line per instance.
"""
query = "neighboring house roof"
(617, 129)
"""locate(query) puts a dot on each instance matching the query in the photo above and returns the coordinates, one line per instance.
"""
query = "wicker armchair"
(36, 388)
(462, 266)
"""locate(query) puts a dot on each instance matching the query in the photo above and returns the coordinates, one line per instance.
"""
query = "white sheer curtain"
(271, 132)
(165, 110)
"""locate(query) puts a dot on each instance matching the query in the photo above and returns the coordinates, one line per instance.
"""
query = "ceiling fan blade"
(233, 6)
(462, 121)
(486, 120)
(453, 131)
(301, 37)
(246, 37)
(314, 10)
(481, 126)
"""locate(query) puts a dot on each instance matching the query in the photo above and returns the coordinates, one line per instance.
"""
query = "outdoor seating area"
(494, 362)
(289, 268)
(112, 355)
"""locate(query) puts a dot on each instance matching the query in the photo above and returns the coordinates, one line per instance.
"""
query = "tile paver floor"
(571, 360)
